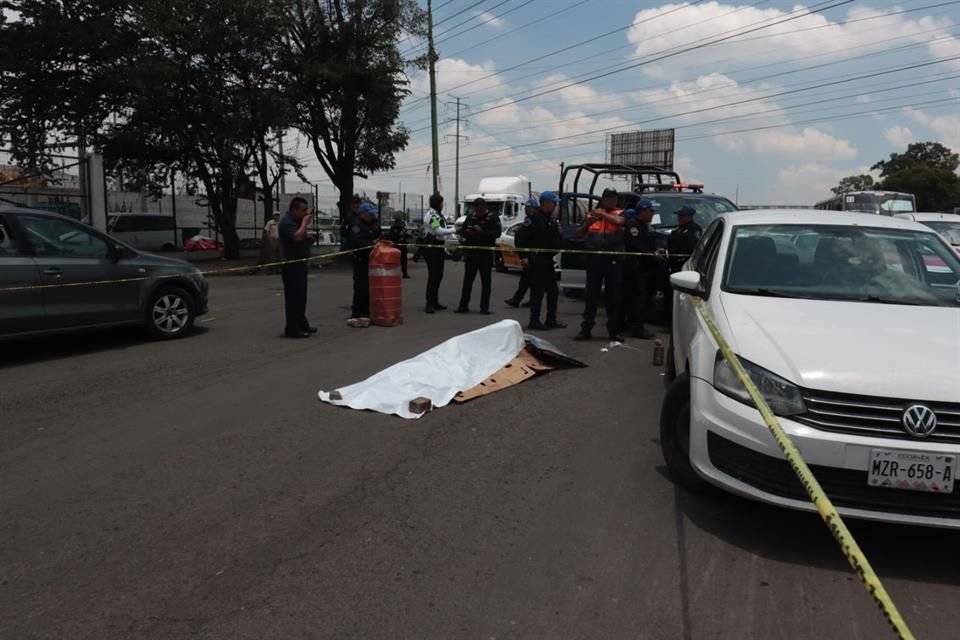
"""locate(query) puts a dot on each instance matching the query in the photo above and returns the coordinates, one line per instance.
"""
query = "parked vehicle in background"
(854, 347)
(885, 203)
(946, 224)
(504, 196)
(51, 260)
(507, 258)
(146, 231)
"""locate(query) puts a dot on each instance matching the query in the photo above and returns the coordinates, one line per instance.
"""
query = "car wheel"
(675, 434)
(498, 262)
(670, 367)
(170, 313)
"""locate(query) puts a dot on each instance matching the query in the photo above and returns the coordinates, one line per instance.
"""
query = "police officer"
(514, 301)
(603, 230)
(479, 229)
(398, 235)
(364, 232)
(295, 250)
(541, 231)
(684, 238)
(347, 222)
(435, 231)
(638, 270)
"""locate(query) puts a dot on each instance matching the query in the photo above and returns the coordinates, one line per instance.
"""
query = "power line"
(459, 24)
(665, 56)
(537, 21)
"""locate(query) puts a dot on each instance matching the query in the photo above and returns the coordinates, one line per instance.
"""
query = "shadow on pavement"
(41, 349)
(905, 552)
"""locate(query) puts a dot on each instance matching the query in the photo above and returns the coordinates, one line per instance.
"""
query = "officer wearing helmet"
(517, 298)
(541, 231)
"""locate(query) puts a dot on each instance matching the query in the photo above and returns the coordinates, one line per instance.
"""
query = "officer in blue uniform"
(480, 229)
(541, 231)
(638, 267)
(364, 232)
(524, 284)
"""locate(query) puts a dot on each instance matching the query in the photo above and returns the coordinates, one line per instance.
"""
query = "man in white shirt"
(435, 231)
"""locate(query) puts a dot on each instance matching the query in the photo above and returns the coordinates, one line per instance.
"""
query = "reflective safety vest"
(604, 236)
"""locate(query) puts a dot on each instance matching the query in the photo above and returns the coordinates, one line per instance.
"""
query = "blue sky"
(795, 139)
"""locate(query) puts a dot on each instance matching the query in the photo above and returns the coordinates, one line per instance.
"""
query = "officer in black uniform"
(295, 250)
(398, 235)
(680, 245)
(364, 233)
(684, 238)
(524, 284)
(540, 230)
(480, 229)
(638, 270)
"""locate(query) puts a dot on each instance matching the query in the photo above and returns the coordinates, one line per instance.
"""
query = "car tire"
(669, 367)
(498, 262)
(675, 435)
(170, 313)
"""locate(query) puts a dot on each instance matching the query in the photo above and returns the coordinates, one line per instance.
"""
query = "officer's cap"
(629, 213)
(686, 210)
(366, 207)
(549, 196)
(644, 203)
(609, 191)
(532, 202)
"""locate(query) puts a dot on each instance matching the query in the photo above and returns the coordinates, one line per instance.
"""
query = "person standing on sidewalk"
(480, 229)
(517, 299)
(603, 229)
(541, 231)
(364, 233)
(295, 251)
(435, 233)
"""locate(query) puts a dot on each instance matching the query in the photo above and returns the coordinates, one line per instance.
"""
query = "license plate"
(912, 471)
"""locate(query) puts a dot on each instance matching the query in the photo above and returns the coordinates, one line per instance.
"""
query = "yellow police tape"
(818, 496)
(325, 256)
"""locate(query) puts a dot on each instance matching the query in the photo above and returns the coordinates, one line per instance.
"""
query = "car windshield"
(877, 265)
(949, 230)
(707, 208)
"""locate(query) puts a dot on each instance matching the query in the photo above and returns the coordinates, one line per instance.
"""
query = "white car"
(946, 224)
(855, 346)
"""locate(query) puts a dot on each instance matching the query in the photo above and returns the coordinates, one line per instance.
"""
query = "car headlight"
(783, 397)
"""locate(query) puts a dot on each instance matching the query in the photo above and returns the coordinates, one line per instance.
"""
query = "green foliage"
(854, 183)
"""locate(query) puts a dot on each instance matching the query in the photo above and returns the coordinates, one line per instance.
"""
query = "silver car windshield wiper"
(762, 291)
(912, 303)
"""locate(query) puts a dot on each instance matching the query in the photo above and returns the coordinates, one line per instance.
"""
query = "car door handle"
(53, 271)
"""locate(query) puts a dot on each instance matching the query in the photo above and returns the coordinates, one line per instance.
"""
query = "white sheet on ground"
(439, 374)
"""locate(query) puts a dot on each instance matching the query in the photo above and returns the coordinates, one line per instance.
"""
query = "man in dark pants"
(295, 250)
(524, 284)
(541, 231)
(364, 233)
(638, 238)
(347, 222)
(480, 229)
(683, 240)
(603, 229)
(398, 236)
(435, 232)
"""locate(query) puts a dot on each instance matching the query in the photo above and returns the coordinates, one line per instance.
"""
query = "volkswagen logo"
(919, 420)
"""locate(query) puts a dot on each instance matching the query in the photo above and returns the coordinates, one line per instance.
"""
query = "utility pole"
(432, 55)
(456, 193)
(283, 173)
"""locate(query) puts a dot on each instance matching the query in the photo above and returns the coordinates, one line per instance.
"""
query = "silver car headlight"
(783, 397)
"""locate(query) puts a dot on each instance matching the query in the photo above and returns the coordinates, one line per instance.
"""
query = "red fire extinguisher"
(386, 290)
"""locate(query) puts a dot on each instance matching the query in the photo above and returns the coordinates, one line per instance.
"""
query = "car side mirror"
(116, 252)
(689, 282)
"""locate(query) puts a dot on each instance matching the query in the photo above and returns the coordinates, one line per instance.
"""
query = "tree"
(347, 75)
(928, 154)
(936, 189)
(197, 99)
(854, 183)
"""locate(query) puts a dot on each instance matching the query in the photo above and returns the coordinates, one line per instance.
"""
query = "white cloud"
(808, 183)
(946, 127)
(688, 169)
(808, 35)
(809, 142)
(452, 72)
(899, 136)
(488, 19)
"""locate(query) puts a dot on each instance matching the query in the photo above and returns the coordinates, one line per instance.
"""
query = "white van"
(146, 231)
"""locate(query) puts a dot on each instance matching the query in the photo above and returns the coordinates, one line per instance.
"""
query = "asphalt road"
(199, 489)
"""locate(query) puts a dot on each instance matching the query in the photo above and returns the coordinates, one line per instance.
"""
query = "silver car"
(58, 275)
